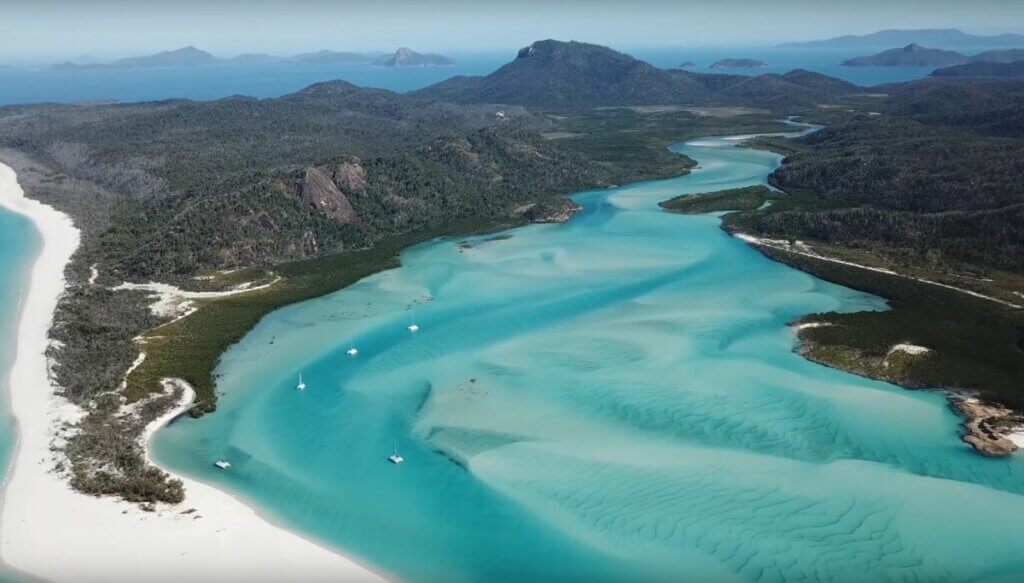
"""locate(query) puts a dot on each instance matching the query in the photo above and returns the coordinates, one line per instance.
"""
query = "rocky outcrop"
(986, 425)
(318, 192)
(350, 177)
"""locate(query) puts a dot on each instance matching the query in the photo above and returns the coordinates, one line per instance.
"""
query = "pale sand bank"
(170, 301)
(50, 531)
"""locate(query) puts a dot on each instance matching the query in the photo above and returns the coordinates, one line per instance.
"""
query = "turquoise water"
(612, 399)
(19, 244)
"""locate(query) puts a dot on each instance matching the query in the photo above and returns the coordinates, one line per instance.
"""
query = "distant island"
(912, 55)
(999, 56)
(946, 37)
(995, 70)
(193, 57)
(552, 73)
(331, 57)
(738, 64)
(406, 57)
(184, 57)
(686, 64)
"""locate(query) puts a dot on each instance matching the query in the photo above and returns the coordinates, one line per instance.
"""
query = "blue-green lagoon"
(612, 399)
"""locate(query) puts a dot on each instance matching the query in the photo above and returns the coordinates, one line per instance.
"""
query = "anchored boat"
(395, 458)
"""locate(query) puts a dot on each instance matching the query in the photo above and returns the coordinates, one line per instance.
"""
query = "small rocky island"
(406, 57)
(912, 55)
(738, 64)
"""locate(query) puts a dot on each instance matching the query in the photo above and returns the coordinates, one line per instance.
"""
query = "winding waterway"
(611, 399)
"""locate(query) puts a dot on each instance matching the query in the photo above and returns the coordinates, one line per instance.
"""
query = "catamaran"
(395, 458)
(222, 464)
(301, 386)
(351, 350)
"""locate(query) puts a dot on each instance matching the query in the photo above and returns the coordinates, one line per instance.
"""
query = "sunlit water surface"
(611, 399)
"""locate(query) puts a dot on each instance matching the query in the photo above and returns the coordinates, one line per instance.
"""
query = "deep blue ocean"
(31, 85)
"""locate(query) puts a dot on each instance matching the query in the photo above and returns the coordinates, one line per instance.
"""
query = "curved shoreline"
(51, 531)
(977, 415)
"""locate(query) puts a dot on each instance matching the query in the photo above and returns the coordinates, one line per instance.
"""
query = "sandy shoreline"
(807, 252)
(50, 531)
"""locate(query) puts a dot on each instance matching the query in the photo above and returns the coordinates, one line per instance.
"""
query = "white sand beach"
(50, 531)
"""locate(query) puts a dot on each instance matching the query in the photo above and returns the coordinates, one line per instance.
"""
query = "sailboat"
(395, 458)
(351, 350)
(301, 386)
(413, 327)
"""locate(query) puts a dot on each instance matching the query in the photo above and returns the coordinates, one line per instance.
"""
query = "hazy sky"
(61, 29)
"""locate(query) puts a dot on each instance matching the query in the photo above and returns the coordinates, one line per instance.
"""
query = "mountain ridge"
(552, 73)
(406, 57)
(991, 69)
(912, 55)
(941, 37)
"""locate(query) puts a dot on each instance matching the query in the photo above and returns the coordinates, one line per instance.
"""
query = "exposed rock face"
(986, 426)
(310, 248)
(350, 177)
(321, 194)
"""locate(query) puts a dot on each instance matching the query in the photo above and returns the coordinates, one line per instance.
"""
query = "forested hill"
(990, 107)
(172, 188)
(555, 74)
(1011, 70)
(934, 179)
(180, 146)
(917, 193)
